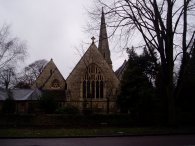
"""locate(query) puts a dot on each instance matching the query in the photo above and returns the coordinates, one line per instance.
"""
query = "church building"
(92, 84)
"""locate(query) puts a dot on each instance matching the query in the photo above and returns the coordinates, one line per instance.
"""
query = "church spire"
(103, 41)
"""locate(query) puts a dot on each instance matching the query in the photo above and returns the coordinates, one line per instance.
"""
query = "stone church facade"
(92, 84)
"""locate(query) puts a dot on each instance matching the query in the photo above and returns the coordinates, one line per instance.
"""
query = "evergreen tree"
(48, 104)
(137, 92)
(9, 105)
(186, 99)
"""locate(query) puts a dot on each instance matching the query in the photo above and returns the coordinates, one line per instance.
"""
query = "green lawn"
(35, 132)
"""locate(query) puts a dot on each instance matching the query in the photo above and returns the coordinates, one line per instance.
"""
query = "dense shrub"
(68, 109)
(9, 106)
(48, 104)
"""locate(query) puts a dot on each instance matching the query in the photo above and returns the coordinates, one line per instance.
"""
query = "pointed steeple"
(103, 41)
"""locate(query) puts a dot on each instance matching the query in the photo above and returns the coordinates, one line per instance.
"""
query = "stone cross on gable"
(93, 38)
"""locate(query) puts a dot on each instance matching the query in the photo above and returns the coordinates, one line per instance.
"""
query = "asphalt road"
(174, 140)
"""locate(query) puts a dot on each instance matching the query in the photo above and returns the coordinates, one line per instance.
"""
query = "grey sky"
(52, 29)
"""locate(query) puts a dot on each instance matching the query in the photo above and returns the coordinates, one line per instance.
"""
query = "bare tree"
(12, 50)
(7, 77)
(164, 25)
(31, 72)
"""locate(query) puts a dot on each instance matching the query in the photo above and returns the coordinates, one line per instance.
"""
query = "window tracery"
(55, 83)
(93, 82)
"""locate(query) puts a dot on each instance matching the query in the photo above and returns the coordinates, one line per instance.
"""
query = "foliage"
(137, 93)
(186, 98)
(83, 132)
(68, 109)
(22, 85)
(9, 105)
(31, 72)
(166, 27)
(48, 104)
(148, 61)
(12, 50)
(7, 77)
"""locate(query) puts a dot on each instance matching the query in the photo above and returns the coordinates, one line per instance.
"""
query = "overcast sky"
(52, 29)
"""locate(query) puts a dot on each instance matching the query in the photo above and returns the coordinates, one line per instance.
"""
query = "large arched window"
(93, 82)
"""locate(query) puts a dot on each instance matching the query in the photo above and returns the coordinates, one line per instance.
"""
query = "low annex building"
(23, 98)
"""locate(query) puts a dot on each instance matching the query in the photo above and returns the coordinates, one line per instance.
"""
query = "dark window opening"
(93, 83)
(97, 89)
(101, 89)
(84, 89)
(88, 89)
(93, 89)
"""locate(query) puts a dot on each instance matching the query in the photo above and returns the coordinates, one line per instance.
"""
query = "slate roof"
(21, 94)
(119, 72)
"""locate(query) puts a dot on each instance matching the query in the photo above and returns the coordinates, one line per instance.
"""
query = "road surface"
(174, 140)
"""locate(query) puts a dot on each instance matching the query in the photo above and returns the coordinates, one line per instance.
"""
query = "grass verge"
(35, 132)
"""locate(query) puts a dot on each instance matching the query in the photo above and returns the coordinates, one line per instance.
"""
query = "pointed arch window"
(93, 82)
(101, 89)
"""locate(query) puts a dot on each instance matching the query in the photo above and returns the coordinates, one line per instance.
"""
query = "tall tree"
(161, 24)
(12, 49)
(186, 97)
(31, 72)
(7, 77)
(136, 93)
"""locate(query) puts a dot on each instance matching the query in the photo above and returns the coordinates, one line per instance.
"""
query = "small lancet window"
(51, 71)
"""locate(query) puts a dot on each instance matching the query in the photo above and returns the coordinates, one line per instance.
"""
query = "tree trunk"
(169, 65)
